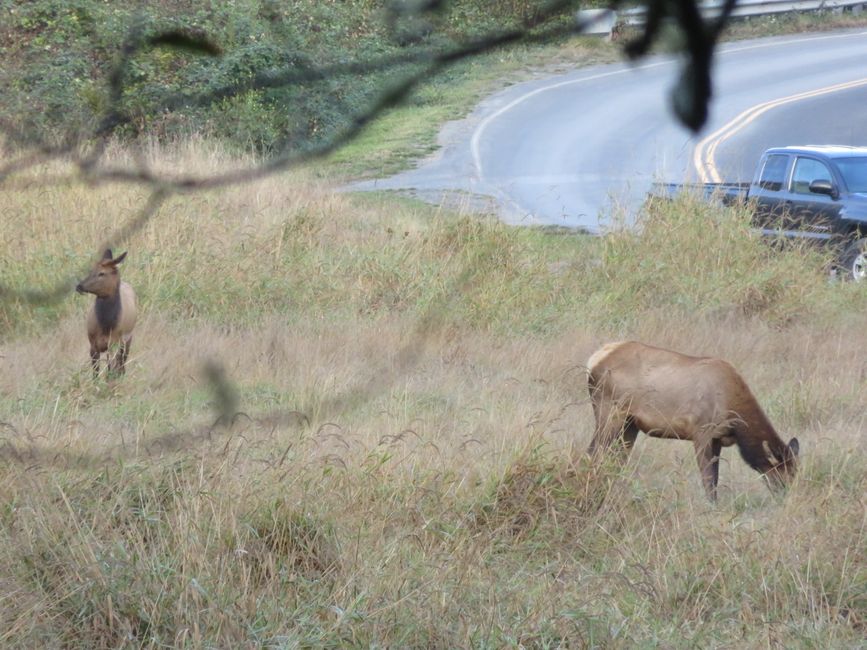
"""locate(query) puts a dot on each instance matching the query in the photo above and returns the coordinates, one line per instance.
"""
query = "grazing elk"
(111, 319)
(636, 387)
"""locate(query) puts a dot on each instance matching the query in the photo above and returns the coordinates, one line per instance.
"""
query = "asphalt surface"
(583, 148)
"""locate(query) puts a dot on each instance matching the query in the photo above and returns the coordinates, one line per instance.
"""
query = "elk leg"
(717, 452)
(94, 361)
(122, 354)
(612, 427)
(628, 437)
(707, 454)
(604, 436)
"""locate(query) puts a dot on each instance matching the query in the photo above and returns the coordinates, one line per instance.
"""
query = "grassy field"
(357, 421)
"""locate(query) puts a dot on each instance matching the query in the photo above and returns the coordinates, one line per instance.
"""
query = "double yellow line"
(704, 154)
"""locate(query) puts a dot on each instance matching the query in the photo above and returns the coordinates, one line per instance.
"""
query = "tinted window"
(774, 172)
(806, 171)
(854, 172)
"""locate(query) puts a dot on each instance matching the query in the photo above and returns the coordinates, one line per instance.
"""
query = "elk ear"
(772, 457)
(794, 446)
(119, 259)
(107, 254)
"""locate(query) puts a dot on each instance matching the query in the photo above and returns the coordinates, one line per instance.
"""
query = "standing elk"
(636, 387)
(111, 319)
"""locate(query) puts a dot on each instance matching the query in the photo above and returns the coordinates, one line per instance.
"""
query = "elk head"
(103, 279)
(782, 463)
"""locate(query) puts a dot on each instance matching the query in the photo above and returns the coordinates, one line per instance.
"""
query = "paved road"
(574, 149)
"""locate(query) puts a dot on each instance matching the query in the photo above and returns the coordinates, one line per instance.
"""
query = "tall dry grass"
(403, 469)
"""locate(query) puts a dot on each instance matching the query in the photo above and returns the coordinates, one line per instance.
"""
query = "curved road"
(574, 149)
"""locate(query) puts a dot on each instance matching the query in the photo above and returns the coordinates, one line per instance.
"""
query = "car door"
(811, 212)
(770, 190)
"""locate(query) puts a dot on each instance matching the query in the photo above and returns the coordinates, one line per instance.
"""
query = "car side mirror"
(821, 186)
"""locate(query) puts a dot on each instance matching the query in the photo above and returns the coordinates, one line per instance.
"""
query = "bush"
(59, 56)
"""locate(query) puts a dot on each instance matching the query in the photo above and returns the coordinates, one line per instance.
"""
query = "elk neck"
(751, 432)
(108, 310)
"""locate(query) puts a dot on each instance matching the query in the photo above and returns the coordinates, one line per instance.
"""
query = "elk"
(111, 319)
(636, 387)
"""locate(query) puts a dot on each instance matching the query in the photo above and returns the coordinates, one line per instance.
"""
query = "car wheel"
(854, 261)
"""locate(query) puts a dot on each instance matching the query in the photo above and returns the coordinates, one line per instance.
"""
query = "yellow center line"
(703, 156)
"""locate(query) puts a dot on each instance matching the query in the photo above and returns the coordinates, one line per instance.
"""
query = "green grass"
(404, 466)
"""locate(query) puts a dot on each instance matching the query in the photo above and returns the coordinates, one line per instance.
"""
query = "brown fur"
(636, 387)
(112, 316)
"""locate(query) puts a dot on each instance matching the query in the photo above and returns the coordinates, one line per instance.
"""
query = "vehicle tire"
(853, 261)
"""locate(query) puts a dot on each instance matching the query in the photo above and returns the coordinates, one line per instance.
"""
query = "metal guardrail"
(605, 21)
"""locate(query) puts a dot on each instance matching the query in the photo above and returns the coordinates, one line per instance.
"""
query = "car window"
(773, 174)
(806, 171)
(854, 171)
